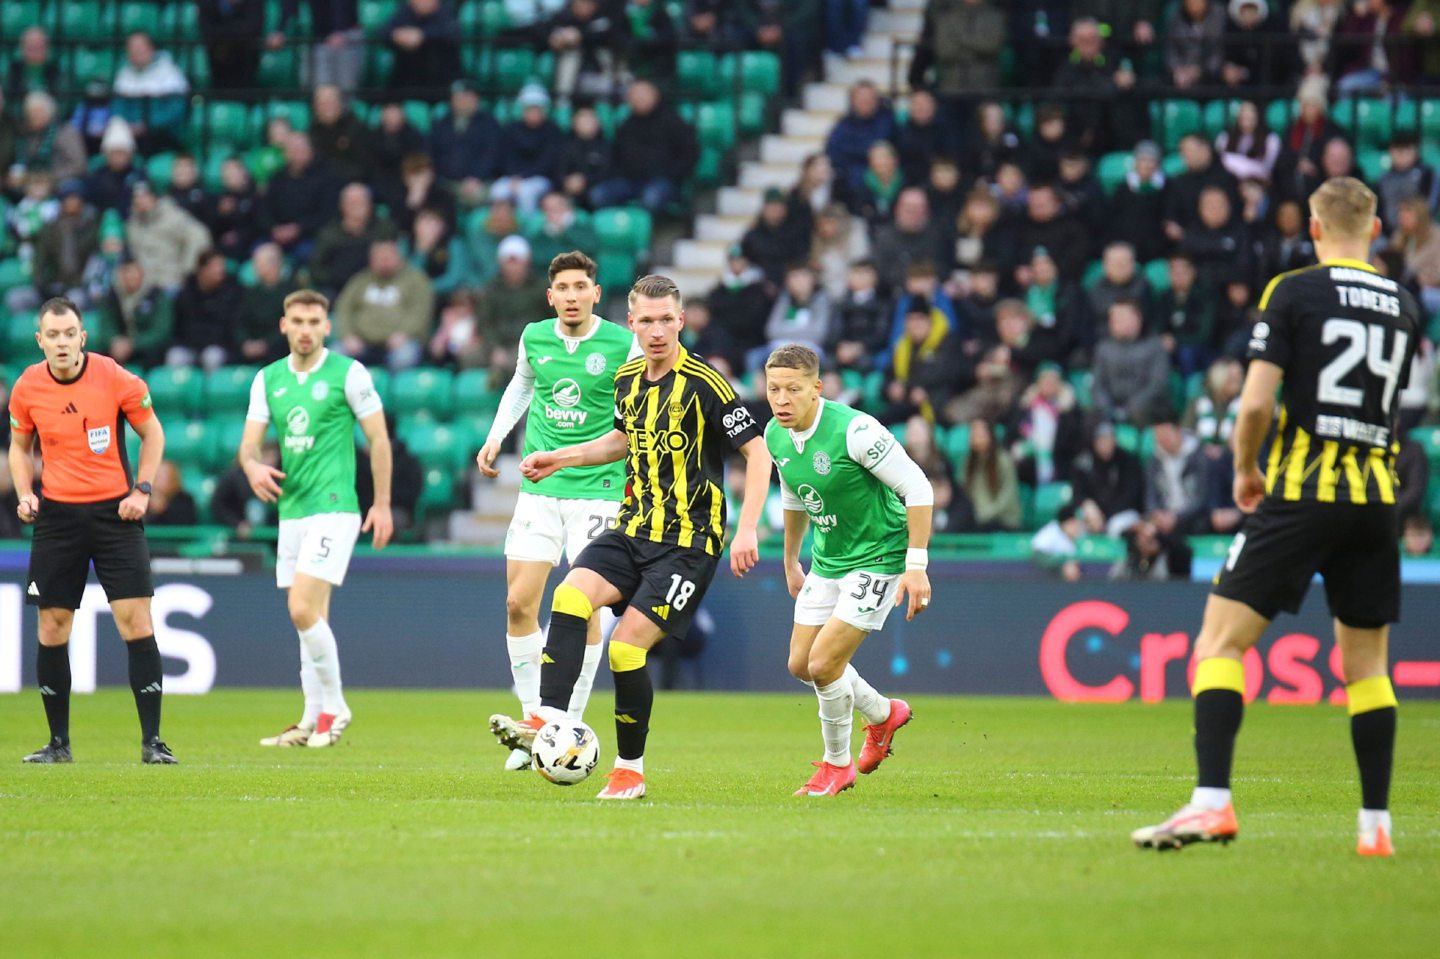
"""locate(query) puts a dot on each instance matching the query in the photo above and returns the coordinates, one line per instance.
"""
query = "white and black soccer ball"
(565, 752)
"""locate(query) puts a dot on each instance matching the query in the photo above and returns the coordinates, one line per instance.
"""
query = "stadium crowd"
(1039, 261)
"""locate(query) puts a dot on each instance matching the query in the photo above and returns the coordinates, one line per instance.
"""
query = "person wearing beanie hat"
(530, 152)
(512, 299)
(108, 187)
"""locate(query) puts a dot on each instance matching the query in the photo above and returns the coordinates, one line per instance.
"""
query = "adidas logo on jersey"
(662, 611)
(69, 408)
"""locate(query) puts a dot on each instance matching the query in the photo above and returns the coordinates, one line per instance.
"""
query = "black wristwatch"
(142, 488)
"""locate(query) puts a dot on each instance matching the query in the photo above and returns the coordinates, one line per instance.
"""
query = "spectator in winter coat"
(1175, 480)
(1370, 49)
(1110, 117)
(739, 301)
(848, 146)
(914, 237)
(860, 324)
(1136, 211)
(342, 248)
(233, 33)
(1062, 317)
(1286, 245)
(261, 305)
(1193, 42)
(1184, 318)
(1182, 192)
(136, 318)
(164, 238)
(776, 240)
(1048, 428)
(923, 370)
(802, 314)
(338, 53)
(559, 230)
(64, 248)
(961, 40)
(586, 39)
(342, 143)
(1120, 279)
(1406, 177)
(43, 143)
(1217, 244)
(425, 37)
(1108, 484)
(207, 315)
(990, 481)
(299, 200)
(923, 138)
(1132, 371)
(383, 314)
(530, 158)
(1249, 149)
(465, 142)
(233, 212)
(1046, 224)
(585, 158)
(1259, 51)
(150, 93)
(655, 153)
(34, 69)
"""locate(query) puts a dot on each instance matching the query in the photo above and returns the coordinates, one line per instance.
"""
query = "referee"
(74, 401)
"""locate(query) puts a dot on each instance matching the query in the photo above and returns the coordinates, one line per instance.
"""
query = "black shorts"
(1281, 547)
(69, 537)
(664, 582)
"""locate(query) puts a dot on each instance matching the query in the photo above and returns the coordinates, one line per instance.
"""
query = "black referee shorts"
(69, 537)
(663, 581)
(1281, 547)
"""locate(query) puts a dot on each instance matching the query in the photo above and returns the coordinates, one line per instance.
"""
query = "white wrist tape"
(917, 558)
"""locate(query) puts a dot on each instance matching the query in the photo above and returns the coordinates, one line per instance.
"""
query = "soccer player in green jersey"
(565, 376)
(871, 507)
(315, 397)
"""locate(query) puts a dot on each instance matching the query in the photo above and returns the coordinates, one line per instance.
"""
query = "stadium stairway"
(698, 261)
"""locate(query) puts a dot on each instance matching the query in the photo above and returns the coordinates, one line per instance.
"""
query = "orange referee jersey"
(82, 442)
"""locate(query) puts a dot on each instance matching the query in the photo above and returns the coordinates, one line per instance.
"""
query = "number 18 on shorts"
(859, 598)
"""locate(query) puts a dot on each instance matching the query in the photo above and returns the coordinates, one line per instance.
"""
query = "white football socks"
(525, 668)
(320, 644)
(837, 707)
(634, 765)
(1375, 818)
(310, 686)
(1210, 797)
(870, 704)
(589, 666)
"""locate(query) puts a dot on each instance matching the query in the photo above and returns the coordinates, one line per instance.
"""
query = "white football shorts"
(546, 528)
(860, 598)
(318, 546)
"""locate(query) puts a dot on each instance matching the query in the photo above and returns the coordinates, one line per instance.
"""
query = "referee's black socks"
(146, 682)
(1373, 715)
(52, 668)
(564, 652)
(1219, 708)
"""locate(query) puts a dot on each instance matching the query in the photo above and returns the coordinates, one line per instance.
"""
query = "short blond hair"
(307, 298)
(1345, 207)
(656, 287)
(794, 356)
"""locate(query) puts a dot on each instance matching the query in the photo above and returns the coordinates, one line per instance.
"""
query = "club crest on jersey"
(319, 391)
(595, 364)
(821, 463)
(99, 437)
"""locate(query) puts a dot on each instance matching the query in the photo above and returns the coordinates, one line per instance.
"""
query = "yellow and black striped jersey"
(679, 430)
(1345, 337)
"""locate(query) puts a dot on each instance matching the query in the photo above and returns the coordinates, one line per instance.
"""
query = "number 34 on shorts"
(862, 599)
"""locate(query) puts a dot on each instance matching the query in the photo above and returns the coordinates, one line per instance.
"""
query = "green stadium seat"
(437, 495)
(494, 16)
(1157, 271)
(176, 391)
(428, 390)
(211, 167)
(296, 111)
(1094, 270)
(446, 446)
(870, 396)
(91, 63)
(136, 17)
(1428, 120)
(957, 445)
(623, 229)
(1049, 497)
(1173, 165)
(278, 69)
(227, 435)
(1279, 114)
(222, 122)
(419, 113)
(753, 107)
(19, 332)
(1127, 437)
(1219, 114)
(697, 74)
(709, 167)
(374, 14)
(510, 68)
(379, 60)
(760, 72)
(196, 64)
(1111, 170)
(190, 444)
(1174, 119)
(227, 390)
(381, 378)
(715, 124)
(615, 270)
(1429, 438)
(180, 21)
(1370, 121)
(158, 167)
(1101, 549)
(16, 16)
(1373, 162)
(473, 395)
(81, 20)
(1025, 120)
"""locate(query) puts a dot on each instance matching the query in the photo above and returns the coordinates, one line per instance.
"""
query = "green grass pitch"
(998, 828)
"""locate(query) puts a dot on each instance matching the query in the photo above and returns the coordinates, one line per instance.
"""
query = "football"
(565, 752)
